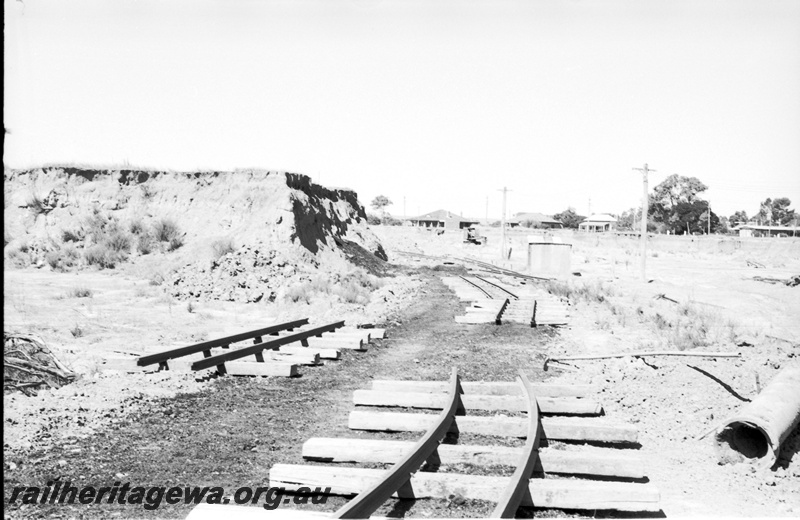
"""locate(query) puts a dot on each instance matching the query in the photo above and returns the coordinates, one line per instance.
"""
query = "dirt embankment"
(198, 231)
(248, 205)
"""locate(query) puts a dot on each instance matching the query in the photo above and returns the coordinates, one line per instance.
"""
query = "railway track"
(551, 419)
(492, 301)
(494, 269)
(485, 266)
(276, 350)
(491, 289)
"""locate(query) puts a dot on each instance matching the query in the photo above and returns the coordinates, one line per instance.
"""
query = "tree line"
(676, 206)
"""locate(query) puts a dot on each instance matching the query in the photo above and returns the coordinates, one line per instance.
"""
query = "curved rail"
(412, 253)
(501, 270)
(512, 496)
(399, 475)
(484, 291)
(498, 286)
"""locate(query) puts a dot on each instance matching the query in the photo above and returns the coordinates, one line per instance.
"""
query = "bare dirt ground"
(674, 401)
(168, 429)
(228, 432)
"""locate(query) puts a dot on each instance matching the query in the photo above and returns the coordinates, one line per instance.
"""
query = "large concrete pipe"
(757, 431)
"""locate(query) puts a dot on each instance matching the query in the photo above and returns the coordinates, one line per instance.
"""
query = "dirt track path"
(232, 432)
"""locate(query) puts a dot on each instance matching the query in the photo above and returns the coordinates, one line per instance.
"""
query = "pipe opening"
(746, 439)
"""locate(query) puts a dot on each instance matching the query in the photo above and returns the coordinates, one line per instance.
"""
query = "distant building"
(755, 230)
(598, 223)
(536, 220)
(442, 219)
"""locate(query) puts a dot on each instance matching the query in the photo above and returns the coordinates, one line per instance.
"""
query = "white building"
(598, 223)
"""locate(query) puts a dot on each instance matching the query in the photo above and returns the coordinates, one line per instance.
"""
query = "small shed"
(442, 219)
(598, 223)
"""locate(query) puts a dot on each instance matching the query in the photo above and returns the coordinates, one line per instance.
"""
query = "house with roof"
(598, 223)
(756, 230)
(442, 219)
(534, 220)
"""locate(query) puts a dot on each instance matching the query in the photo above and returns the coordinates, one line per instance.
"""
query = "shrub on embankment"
(115, 215)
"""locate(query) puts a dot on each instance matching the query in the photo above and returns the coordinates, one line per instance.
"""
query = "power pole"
(709, 218)
(590, 207)
(503, 226)
(643, 246)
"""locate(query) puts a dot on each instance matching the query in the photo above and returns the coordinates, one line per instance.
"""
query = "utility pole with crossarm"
(644, 171)
(503, 226)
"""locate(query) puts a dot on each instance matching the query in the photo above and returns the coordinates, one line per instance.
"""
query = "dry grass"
(80, 292)
(35, 203)
(96, 223)
(118, 241)
(77, 331)
(222, 247)
(175, 243)
(69, 235)
(590, 292)
(17, 257)
(148, 192)
(142, 292)
(53, 259)
(136, 227)
(103, 257)
(156, 279)
(339, 278)
(679, 327)
(166, 230)
(145, 244)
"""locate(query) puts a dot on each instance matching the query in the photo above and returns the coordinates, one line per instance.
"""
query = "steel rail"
(206, 346)
(498, 286)
(502, 270)
(499, 318)
(520, 481)
(363, 505)
(484, 291)
(411, 253)
(220, 359)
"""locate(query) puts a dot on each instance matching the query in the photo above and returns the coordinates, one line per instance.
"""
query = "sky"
(434, 104)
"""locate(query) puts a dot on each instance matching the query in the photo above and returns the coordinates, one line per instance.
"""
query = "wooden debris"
(323, 353)
(644, 354)
(28, 364)
(299, 358)
(663, 296)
